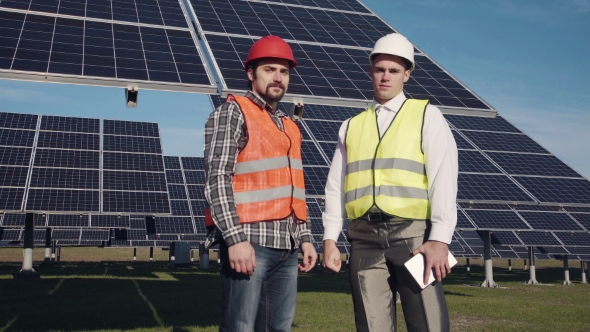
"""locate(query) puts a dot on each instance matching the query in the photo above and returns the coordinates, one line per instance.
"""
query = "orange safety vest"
(268, 180)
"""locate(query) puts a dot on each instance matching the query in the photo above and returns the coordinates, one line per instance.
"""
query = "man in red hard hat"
(256, 194)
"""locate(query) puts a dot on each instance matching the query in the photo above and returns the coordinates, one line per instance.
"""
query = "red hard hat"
(270, 47)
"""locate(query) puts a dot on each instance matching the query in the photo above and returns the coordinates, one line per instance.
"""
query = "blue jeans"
(266, 300)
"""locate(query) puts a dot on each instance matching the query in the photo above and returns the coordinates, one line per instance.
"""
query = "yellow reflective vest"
(387, 172)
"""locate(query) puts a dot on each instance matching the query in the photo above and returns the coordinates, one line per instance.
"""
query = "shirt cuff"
(305, 236)
(441, 233)
(234, 235)
(332, 232)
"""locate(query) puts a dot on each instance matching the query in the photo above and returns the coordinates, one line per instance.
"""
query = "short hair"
(252, 65)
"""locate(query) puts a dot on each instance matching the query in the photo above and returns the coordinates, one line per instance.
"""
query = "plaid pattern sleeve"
(223, 141)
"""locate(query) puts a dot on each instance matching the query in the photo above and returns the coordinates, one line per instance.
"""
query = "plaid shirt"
(225, 136)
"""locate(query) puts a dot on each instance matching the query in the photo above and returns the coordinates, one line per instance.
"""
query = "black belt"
(376, 216)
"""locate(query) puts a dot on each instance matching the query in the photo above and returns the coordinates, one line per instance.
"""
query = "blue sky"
(528, 59)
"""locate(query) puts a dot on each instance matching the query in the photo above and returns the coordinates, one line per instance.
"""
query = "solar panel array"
(60, 164)
(147, 44)
(331, 42)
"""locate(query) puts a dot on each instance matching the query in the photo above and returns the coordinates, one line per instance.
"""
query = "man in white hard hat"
(394, 175)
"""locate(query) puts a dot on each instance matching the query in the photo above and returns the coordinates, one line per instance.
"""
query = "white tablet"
(416, 267)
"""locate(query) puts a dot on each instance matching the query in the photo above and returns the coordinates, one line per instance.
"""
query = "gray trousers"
(377, 272)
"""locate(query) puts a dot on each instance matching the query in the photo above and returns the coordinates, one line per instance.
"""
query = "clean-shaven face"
(271, 79)
(389, 75)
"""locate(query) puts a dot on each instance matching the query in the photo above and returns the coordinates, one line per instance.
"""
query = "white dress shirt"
(440, 151)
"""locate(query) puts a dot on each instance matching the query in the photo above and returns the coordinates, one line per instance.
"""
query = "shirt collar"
(393, 104)
(262, 104)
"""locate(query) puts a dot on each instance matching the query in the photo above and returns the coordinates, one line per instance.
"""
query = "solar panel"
(494, 220)
(70, 124)
(313, 209)
(463, 222)
(193, 163)
(195, 177)
(180, 208)
(329, 149)
(13, 137)
(538, 239)
(109, 221)
(461, 142)
(66, 234)
(311, 155)
(505, 238)
(163, 237)
(346, 5)
(17, 120)
(192, 237)
(315, 179)
(174, 176)
(326, 131)
(171, 162)
(200, 225)
(132, 162)
(475, 162)
(490, 188)
(337, 73)
(557, 190)
(177, 191)
(583, 219)
(68, 220)
(485, 206)
(198, 207)
(573, 239)
(489, 141)
(14, 156)
(196, 192)
(137, 223)
(524, 207)
(10, 234)
(295, 23)
(532, 164)
(583, 209)
(66, 174)
(497, 123)
(94, 235)
(550, 221)
(130, 128)
(136, 234)
(85, 47)
(174, 225)
(325, 112)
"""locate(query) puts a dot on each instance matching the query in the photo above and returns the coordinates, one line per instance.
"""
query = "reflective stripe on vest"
(389, 171)
(268, 179)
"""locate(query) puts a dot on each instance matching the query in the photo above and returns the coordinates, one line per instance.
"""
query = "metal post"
(468, 267)
(27, 271)
(348, 258)
(151, 254)
(566, 272)
(533, 276)
(172, 253)
(47, 245)
(134, 255)
(53, 245)
(192, 255)
(525, 266)
(487, 254)
(509, 264)
(203, 257)
(583, 272)
(58, 254)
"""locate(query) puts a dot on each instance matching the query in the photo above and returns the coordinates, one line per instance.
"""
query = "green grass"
(105, 294)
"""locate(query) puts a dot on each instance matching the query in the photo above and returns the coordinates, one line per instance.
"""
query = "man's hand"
(331, 258)
(309, 257)
(242, 258)
(436, 255)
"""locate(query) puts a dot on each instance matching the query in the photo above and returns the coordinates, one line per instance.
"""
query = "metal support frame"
(566, 272)
(583, 268)
(151, 254)
(509, 264)
(131, 95)
(533, 276)
(525, 266)
(487, 254)
(27, 271)
(468, 267)
(192, 255)
(53, 249)
(58, 254)
(203, 256)
(47, 245)
(134, 255)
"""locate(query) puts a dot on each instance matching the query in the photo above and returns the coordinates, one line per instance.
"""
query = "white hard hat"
(394, 44)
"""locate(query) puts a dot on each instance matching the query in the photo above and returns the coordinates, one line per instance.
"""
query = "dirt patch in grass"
(474, 323)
